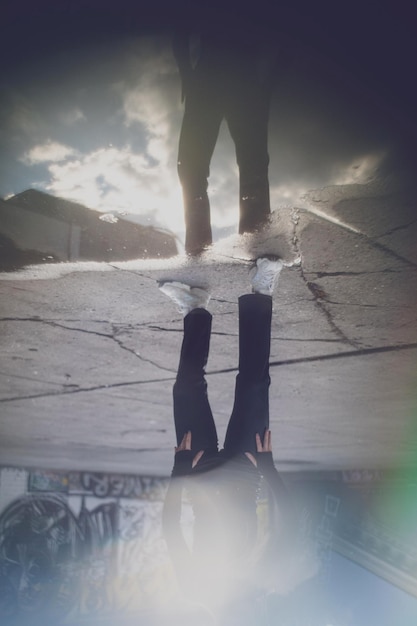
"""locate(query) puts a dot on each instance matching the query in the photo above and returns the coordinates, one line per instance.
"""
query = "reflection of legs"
(251, 407)
(248, 123)
(191, 406)
(200, 128)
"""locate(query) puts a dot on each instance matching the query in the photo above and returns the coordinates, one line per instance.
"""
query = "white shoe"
(185, 297)
(265, 273)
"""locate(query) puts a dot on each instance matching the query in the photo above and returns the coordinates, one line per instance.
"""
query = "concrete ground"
(89, 351)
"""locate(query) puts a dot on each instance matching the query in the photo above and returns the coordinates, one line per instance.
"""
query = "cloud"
(71, 117)
(49, 151)
(152, 101)
(118, 179)
(146, 107)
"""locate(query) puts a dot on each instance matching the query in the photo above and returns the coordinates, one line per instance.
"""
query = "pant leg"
(250, 413)
(247, 117)
(191, 406)
(200, 128)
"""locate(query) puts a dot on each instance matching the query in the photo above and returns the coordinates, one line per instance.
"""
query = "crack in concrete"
(302, 340)
(132, 431)
(223, 301)
(53, 323)
(180, 331)
(328, 357)
(396, 229)
(384, 248)
(372, 241)
(316, 294)
(133, 351)
(166, 330)
(331, 274)
(86, 389)
(176, 320)
(112, 336)
(293, 302)
(370, 306)
(78, 330)
(16, 288)
(37, 380)
(134, 272)
(283, 362)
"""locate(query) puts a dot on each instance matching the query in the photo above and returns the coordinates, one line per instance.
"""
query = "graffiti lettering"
(120, 486)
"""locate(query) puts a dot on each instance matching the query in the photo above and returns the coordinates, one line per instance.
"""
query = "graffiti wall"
(79, 544)
(87, 548)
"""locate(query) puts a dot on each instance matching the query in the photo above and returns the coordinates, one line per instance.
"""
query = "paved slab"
(89, 351)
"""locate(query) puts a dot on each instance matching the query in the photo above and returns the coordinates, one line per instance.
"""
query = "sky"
(91, 110)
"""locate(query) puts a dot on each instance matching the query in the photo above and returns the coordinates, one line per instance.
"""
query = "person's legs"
(191, 406)
(250, 413)
(200, 128)
(192, 410)
(247, 117)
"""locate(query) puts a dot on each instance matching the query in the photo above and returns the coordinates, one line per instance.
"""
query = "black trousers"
(235, 94)
(250, 413)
